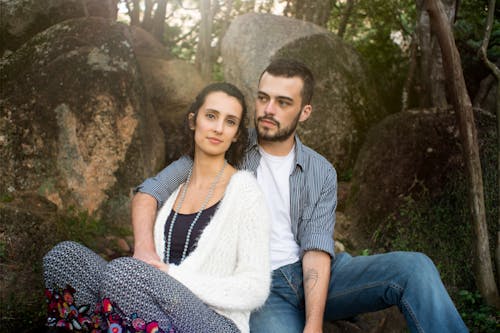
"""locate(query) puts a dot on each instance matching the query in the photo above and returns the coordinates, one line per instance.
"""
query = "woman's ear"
(191, 121)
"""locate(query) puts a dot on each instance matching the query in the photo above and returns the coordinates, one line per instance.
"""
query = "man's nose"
(270, 108)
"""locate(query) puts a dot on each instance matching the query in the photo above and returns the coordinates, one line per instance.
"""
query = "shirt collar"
(299, 147)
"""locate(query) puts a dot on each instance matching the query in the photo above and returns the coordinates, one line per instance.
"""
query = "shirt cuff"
(319, 242)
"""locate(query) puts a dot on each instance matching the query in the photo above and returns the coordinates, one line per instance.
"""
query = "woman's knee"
(65, 251)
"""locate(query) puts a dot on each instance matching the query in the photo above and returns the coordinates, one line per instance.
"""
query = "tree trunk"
(431, 82)
(496, 72)
(159, 20)
(147, 18)
(346, 15)
(134, 12)
(465, 117)
(484, 88)
(203, 52)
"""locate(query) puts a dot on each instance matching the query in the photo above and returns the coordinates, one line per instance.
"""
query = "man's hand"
(316, 272)
(143, 218)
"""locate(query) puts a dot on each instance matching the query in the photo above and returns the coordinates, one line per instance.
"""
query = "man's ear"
(305, 113)
(191, 121)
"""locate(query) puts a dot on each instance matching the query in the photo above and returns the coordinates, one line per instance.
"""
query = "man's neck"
(278, 148)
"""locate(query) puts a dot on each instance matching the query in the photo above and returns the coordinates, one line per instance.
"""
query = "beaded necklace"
(179, 205)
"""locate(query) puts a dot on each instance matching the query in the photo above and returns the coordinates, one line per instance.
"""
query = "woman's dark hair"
(236, 151)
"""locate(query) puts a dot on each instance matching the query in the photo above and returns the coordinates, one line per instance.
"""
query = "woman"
(212, 235)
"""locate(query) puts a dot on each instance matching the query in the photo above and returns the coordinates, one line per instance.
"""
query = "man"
(309, 282)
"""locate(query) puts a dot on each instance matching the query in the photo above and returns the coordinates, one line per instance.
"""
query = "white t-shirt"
(273, 175)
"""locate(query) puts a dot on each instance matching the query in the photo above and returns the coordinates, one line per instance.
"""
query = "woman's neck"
(205, 169)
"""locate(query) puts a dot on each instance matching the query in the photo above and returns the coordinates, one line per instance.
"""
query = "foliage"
(430, 226)
(381, 30)
(478, 316)
(438, 221)
(469, 31)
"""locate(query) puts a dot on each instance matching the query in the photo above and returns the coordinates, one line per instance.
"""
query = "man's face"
(278, 107)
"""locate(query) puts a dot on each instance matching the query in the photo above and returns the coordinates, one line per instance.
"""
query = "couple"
(221, 282)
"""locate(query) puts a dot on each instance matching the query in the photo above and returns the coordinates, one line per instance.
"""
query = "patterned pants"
(134, 286)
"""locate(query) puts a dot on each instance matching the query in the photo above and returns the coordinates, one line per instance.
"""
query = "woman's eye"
(231, 122)
(210, 116)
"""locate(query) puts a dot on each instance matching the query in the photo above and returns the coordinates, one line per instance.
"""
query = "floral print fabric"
(107, 317)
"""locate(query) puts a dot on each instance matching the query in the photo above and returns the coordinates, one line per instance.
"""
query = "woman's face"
(217, 124)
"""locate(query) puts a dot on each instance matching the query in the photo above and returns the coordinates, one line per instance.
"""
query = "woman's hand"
(158, 264)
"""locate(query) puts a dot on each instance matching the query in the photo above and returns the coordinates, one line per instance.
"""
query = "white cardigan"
(229, 270)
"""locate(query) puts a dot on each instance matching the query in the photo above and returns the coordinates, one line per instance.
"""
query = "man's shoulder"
(316, 161)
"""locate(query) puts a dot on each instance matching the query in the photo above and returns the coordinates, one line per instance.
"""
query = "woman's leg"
(136, 287)
(70, 263)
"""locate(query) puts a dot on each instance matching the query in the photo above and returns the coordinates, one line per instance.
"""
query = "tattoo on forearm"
(310, 279)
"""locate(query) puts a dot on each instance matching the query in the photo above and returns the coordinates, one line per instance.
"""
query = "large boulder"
(22, 19)
(75, 124)
(344, 97)
(171, 86)
(412, 155)
(26, 224)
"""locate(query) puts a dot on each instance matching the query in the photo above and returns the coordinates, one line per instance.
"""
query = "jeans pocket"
(292, 277)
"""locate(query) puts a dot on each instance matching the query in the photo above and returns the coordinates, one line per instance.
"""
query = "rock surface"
(76, 125)
(407, 154)
(22, 19)
(343, 95)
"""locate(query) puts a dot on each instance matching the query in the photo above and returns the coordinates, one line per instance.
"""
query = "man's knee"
(417, 267)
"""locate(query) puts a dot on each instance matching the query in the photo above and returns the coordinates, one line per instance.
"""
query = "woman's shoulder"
(244, 182)
(244, 178)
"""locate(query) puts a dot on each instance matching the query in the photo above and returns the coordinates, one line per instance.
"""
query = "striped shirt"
(313, 192)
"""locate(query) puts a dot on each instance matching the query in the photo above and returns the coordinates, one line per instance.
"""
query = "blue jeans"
(364, 284)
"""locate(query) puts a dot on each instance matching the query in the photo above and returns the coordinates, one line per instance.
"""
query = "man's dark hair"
(236, 151)
(291, 68)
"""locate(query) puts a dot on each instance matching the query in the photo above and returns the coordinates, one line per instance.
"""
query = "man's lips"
(268, 122)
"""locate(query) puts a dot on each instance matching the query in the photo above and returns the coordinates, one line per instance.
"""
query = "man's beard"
(282, 133)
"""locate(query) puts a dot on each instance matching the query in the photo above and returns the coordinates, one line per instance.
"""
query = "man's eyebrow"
(286, 98)
(278, 97)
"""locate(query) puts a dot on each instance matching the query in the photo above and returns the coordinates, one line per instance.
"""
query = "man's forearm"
(143, 213)
(316, 271)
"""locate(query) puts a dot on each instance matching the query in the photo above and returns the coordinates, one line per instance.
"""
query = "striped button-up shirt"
(313, 192)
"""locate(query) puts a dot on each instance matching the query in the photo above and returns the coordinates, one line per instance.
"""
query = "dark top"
(181, 227)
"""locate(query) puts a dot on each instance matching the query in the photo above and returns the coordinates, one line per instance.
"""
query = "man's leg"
(408, 280)
(283, 311)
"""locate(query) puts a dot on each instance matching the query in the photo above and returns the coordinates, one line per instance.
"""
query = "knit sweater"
(229, 270)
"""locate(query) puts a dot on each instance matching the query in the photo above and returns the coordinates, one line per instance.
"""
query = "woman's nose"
(219, 127)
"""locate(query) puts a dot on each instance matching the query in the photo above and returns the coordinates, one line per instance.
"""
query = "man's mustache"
(269, 118)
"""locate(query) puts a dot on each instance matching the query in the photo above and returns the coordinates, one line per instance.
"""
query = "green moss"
(22, 304)
(441, 226)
